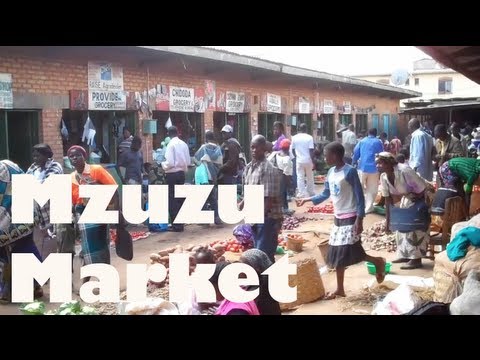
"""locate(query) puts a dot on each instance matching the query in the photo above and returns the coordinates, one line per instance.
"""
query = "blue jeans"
(266, 237)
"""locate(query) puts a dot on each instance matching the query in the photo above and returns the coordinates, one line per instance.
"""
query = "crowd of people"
(360, 168)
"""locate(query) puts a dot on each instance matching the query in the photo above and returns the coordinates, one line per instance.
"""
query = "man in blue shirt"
(365, 151)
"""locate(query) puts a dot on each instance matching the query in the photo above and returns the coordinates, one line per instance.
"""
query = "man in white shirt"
(349, 140)
(176, 164)
(302, 148)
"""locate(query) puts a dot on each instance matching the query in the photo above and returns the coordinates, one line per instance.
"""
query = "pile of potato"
(162, 257)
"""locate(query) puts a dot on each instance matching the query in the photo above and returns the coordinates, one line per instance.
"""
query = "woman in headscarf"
(402, 187)
(43, 166)
(94, 237)
(260, 262)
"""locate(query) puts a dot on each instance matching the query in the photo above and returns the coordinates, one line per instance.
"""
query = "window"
(407, 83)
(417, 81)
(445, 85)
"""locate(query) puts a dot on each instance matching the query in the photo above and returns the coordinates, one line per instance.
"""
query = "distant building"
(433, 80)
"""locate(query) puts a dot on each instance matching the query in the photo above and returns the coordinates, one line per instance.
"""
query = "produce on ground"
(217, 247)
(376, 239)
(68, 308)
(292, 222)
(322, 209)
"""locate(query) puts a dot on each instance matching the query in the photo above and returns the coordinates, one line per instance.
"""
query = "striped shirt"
(264, 173)
(467, 169)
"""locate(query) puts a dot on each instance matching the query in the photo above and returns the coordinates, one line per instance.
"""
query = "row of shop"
(40, 95)
(22, 128)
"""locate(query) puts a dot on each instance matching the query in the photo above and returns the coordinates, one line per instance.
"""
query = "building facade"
(433, 80)
(45, 89)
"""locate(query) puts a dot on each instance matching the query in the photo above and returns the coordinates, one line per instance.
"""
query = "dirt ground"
(356, 276)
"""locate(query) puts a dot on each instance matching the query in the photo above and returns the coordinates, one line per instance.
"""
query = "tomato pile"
(323, 209)
(135, 235)
(232, 245)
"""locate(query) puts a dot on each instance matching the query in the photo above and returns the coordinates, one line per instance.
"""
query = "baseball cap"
(227, 128)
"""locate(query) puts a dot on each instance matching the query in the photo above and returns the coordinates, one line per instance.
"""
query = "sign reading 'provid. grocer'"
(6, 95)
(182, 99)
(107, 100)
(274, 103)
(235, 102)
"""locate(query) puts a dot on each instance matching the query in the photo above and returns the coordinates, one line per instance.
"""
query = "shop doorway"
(327, 127)
(108, 126)
(265, 124)
(18, 134)
(241, 128)
(189, 126)
(302, 119)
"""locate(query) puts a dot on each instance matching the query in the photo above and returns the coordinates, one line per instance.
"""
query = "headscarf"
(388, 157)
(256, 259)
(79, 148)
(285, 144)
(243, 233)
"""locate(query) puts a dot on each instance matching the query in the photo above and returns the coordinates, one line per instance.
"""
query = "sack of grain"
(449, 276)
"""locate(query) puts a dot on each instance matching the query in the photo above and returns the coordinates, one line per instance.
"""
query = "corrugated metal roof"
(233, 58)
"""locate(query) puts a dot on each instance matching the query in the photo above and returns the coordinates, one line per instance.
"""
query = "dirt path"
(355, 277)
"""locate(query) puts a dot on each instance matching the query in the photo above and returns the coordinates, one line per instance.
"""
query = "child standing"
(344, 187)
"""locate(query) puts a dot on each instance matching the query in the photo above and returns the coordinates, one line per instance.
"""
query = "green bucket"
(372, 270)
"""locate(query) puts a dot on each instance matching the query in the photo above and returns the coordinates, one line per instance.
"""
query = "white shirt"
(177, 156)
(349, 140)
(284, 162)
(302, 143)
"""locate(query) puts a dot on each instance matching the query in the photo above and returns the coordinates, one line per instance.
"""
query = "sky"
(339, 60)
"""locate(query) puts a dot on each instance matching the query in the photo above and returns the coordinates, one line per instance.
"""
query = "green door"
(22, 135)
(243, 133)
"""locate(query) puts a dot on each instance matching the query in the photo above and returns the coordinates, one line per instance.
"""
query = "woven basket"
(308, 282)
(294, 244)
(323, 247)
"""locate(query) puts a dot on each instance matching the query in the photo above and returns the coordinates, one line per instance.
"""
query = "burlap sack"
(449, 276)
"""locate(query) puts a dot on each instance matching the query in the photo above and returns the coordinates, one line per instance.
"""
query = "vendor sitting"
(457, 172)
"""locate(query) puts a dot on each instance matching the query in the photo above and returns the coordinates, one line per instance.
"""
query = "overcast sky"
(340, 60)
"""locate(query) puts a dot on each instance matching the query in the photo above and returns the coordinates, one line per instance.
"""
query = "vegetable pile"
(292, 222)
(217, 247)
(68, 308)
(322, 209)
(377, 239)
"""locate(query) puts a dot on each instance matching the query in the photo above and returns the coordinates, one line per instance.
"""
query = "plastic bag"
(469, 302)
(397, 302)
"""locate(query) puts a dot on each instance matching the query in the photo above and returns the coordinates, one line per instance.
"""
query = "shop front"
(302, 114)
(184, 108)
(272, 109)
(97, 122)
(233, 108)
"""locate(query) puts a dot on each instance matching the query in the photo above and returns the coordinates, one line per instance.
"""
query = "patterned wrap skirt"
(95, 240)
(345, 247)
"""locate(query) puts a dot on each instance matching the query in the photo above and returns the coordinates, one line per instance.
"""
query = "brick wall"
(56, 77)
